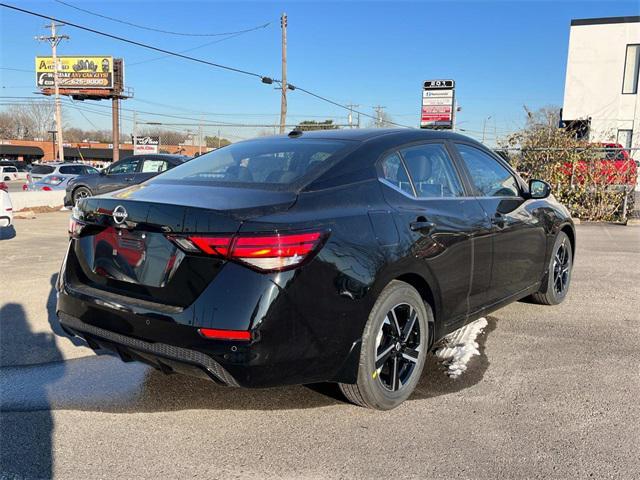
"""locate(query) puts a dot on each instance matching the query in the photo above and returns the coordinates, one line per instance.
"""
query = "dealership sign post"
(438, 104)
(145, 144)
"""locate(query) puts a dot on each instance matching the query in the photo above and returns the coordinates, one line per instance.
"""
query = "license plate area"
(144, 258)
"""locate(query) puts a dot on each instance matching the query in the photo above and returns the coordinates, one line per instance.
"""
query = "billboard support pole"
(115, 126)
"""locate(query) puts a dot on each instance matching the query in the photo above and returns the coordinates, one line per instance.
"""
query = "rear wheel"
(79, 193)
(394, 347)
(555, 289)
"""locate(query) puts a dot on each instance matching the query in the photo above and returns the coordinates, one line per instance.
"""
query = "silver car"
(39, 171)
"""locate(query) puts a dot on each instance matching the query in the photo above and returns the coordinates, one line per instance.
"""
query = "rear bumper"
(167, 358)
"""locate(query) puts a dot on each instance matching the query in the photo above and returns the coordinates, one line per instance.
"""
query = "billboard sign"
(94, 72)
(438, 104)
(146, 144)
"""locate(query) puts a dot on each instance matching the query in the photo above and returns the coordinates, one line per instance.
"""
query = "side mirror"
(539, 189)
(102, 172)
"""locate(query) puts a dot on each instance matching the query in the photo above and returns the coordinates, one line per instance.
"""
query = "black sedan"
(336, 256)
(124, 173)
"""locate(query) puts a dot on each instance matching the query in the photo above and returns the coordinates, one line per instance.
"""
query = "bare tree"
(32, 121)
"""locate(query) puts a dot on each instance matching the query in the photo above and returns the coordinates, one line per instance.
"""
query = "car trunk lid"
(124, 248)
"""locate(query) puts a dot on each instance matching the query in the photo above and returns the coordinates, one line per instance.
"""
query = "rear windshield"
(276, 162)
(42, 169)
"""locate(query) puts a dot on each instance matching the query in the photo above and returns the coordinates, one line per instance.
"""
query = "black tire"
(80, 192)
(7, 179)
(400, 343)
(557, 281)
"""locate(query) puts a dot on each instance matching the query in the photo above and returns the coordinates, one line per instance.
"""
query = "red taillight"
(264, 252)
(219, 334)
(46, 189)
(75, 227)
(4, 186)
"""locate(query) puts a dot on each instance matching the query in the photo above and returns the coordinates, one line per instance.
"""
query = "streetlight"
(484, 127)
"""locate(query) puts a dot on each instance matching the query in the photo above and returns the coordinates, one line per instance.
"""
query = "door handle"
(422, 226)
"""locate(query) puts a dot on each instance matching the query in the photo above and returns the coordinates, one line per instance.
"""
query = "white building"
(601, 97)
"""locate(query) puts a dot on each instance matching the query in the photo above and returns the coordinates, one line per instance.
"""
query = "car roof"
(364, 134)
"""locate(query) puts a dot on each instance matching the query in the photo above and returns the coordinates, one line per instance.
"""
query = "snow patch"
(456, 349)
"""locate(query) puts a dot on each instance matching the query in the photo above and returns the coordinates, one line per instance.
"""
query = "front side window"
(90, 170)
(125, 166)
(432, 171)
(393, 171)
(631, 69)
(490, 178)
(272, 163)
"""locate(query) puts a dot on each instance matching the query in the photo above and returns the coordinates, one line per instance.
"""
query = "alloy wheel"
(398, 347)
(561, 267)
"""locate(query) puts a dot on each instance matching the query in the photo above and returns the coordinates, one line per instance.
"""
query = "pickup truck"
(610, 165)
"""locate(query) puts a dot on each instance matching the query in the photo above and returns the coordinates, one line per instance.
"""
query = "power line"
(264, 79)
(153, 29)
(140, 44)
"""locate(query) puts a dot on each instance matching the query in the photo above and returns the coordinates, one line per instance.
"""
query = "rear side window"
(42, 169)
(490, 178)
(154, 166)
(72, 169)
(275, 162)
(432, 171)
(393, 171)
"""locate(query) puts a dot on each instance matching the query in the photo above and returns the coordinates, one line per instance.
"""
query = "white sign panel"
(142, 145)
(438, 104)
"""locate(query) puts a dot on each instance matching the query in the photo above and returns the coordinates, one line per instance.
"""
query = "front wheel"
(394, 347)
(79, 193)
(555, 288)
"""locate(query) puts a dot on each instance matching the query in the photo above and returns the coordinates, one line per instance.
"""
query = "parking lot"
(553, 394)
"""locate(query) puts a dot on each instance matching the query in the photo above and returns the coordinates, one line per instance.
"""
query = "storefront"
(20, 153)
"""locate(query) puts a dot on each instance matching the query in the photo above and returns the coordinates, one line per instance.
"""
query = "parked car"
(9, 172)
(328, 256)
(610, 165)
(41, 170)
(6, 208)
(53, 182)
(126, 172)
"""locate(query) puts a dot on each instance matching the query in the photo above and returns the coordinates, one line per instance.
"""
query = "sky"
(502, 55)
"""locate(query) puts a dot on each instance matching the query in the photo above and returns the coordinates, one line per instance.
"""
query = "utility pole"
(218, 138)
(484, 127)
(379, 109)
(54, 40)
(351, 106)
(200, 137)
(135, 132)
(283, 100)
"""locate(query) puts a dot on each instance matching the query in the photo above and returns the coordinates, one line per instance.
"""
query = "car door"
(437, 217)
(120, 175)
(518, 237)
(151, 166)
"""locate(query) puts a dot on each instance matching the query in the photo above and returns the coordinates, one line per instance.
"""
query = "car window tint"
(275, 162)
(394, 172)
(125, 166)
(71, 169)
(489, 177)
(154, 166)
(432, 171)
(90, 170)
(42, 169)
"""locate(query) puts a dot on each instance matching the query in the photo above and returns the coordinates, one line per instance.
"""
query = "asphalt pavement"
(554, 393)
